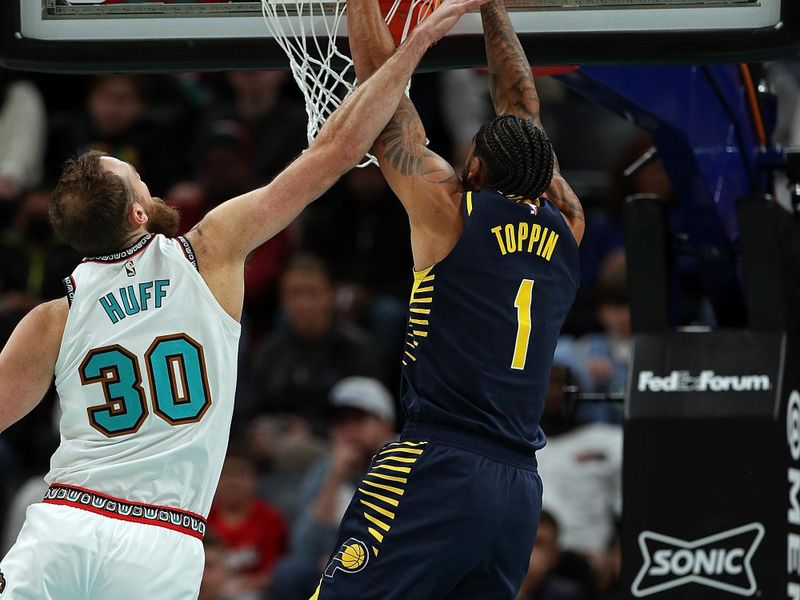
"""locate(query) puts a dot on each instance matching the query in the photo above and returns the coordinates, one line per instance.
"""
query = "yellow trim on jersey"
(386, 499)
(421, 294)
(420, 276)
(400, 459)
(375, 534)
(316, 592)
(388, 488)
(377, 522)
(409, 450)
(387, 477)
(469, 203)
(378, 509)
(393, 468)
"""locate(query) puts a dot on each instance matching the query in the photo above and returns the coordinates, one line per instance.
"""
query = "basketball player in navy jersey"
(143, 349)
(451, 510)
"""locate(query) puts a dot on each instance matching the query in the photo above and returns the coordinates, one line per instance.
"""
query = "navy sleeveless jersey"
(484, 322)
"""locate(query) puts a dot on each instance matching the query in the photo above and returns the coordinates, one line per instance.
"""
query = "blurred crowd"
(325, 308)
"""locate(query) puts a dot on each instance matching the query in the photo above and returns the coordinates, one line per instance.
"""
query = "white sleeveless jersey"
(146, 377)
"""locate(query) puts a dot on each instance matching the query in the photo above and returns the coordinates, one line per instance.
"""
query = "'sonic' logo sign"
(721, 561)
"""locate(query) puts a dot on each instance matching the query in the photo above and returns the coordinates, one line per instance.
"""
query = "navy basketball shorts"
(440, 515)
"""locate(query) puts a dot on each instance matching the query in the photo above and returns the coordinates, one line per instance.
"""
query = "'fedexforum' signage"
(706, 381)
(722, 561)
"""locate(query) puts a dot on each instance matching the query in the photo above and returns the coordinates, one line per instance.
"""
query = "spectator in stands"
(117, 122)
(543, 582)
(604, 223)
(607, 355)
(363, 233)
(216, 574)
(364, 419)
(32, 262)
(276, 122)
(253, 532)
(23, 127)
(295, 368)
(582, 468)
(225, 169)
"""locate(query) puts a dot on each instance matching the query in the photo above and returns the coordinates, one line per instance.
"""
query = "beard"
(162, 218)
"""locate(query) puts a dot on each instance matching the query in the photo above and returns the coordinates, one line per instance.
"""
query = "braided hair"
(517, 155)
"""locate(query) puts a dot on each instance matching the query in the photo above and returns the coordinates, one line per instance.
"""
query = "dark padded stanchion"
(770, 241)
(646, 255)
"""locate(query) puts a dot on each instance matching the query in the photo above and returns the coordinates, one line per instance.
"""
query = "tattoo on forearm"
(573, 209)
(566, 200)
(512, 85)
(403, 143)
(404, 156)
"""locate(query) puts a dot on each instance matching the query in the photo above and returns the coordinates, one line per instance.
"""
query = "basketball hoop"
(306, 30)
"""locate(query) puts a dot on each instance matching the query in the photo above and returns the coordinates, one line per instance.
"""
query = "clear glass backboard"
(150, 35)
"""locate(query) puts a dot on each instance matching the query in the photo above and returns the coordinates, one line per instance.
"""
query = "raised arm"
(511, 86)
(514, 92)
(232, 230)
(425, 183)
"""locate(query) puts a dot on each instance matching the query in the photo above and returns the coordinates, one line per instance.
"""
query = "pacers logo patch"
(352, 557)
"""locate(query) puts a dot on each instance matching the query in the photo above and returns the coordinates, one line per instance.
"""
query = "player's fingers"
(446, 16)
(456, 8)
(465, 5)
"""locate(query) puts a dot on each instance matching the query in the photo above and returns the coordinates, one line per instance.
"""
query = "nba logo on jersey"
(2, 582)
(534, 209)
(352, 557)
(130, 268)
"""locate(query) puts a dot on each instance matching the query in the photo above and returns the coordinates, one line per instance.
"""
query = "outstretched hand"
(444, 18)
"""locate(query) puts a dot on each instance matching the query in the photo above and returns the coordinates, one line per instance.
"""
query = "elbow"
(342, 152)
(352, 153)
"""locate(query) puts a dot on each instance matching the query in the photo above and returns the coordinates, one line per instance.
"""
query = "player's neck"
(134, 237)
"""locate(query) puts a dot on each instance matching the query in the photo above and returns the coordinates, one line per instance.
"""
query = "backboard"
(169, 35)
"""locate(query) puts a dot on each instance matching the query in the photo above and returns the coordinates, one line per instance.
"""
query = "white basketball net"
(306, 30)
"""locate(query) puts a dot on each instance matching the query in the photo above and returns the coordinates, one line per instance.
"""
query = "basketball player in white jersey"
(144, 348)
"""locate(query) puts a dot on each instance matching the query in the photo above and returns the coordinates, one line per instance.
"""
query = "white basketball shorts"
(68, 553)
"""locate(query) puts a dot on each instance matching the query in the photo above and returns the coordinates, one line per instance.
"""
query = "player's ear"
(137, 216)
(476, 173)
